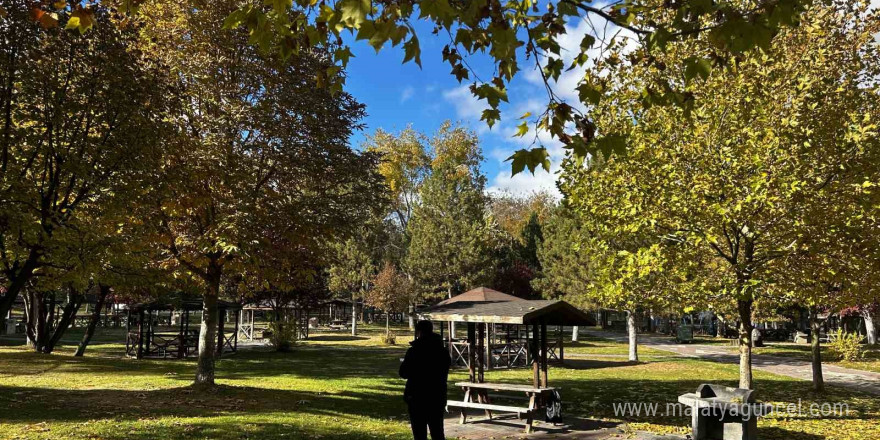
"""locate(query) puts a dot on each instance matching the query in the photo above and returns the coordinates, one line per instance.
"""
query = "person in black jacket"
(425, 368)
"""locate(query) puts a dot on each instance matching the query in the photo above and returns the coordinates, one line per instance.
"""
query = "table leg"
(467, 398)
(483, 397)
(529, 416)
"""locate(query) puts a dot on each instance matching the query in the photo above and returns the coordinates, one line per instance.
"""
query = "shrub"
(282, 333)
(389, 338)
(846, 346)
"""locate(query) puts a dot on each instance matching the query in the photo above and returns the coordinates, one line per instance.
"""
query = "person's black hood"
(429, 339)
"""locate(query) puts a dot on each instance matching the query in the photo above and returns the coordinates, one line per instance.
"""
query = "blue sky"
(397, 95)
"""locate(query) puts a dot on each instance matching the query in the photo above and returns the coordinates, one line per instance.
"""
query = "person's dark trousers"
(421, 419)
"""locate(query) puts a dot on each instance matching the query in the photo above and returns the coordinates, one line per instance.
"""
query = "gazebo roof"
(181, 302)
(550, 312)
(480, 294)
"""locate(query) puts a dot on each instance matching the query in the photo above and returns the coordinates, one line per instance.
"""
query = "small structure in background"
(723, 413)
(255, 318)
(162, 328)
(685, 332)
(483, 310)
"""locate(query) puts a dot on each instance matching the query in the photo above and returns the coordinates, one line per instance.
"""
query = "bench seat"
(488, 406)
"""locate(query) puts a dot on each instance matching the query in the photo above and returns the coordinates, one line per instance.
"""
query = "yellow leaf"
(60, 4)
(82, 19)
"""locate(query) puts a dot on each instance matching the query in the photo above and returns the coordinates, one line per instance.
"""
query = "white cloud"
(528, 96)
(526, 183)
(570, 42)
(406, 94)
(467, 106)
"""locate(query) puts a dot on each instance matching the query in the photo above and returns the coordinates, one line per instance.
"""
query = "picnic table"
(476, 396)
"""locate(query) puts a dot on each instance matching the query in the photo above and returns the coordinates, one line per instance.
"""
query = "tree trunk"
(103, 292)
(387, 325)
(34, 319)
(68, 314)
(17, 283)
(354, 319)
(745, 343)
(41, 330)
(870, 325)
(816, 351)
(633, 332)
(208, 332)
(412, 317)
(574, 333)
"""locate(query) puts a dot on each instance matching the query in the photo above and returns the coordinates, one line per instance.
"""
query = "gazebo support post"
(536, 380)
(451, 349)
(481, 360)
(140, 342)
(443, 333)
(181, 344)
(221, 314)
(488, 342)
(507, 344)
(561, 348)
(235, 333)
(544, 354)
(471, 343)
(128, 331)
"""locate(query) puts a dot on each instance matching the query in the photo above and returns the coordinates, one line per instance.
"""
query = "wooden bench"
(476, 396)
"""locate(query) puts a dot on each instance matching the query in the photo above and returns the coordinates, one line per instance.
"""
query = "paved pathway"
(800, 369)
(479, 428)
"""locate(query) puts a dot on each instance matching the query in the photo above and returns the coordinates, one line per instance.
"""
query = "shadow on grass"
(51, 404)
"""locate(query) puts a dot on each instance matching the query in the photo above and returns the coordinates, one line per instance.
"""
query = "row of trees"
(167, 153)
(441, 234)
(758, 193)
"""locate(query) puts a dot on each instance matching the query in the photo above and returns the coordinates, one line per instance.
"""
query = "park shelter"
(162, 328)
(523, 336)
(248, 328)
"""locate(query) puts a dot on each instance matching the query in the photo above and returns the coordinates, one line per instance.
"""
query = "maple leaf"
(81, 19)
(47, 20)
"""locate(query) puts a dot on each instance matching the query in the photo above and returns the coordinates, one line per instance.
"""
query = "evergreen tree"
(449, 238)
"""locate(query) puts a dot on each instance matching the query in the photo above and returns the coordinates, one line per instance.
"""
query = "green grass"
(340, 387)
(590, 345)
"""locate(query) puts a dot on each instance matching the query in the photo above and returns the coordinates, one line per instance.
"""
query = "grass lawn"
(338, 387)
(589, 345)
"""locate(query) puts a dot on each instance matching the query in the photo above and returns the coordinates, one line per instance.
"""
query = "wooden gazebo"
(484, 310)
(247, 328)
(145, 336)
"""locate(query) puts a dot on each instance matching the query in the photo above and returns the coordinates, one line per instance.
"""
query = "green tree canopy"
(449, 248)
(730, 181)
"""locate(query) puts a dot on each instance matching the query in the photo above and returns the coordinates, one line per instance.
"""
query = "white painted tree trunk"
(745, 344)
(633, 332)
(574, 333)
(870, 326)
